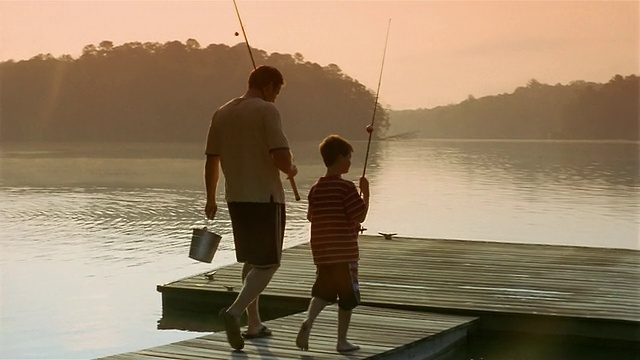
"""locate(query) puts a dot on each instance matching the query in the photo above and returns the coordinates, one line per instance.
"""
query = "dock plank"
(472, 276)
(378, 331)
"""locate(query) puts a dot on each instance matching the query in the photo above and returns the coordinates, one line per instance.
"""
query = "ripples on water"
(86, 238)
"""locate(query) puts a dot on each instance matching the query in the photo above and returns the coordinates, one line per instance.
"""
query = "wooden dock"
(551, 289)
(381, 333)
(421, 298)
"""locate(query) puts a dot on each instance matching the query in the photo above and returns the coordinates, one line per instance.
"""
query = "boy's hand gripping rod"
(246, 40)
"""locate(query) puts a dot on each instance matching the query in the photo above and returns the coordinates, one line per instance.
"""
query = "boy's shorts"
(258, 232)
(338, 281)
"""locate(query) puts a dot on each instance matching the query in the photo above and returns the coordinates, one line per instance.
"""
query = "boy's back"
(334, 204)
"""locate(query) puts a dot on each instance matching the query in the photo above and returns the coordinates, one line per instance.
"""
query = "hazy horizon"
(438, 53)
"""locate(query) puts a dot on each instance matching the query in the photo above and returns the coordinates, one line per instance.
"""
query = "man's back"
(243, 133)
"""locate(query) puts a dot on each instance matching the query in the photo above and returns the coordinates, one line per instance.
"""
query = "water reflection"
(88, 231)
(531, 163)
(523, 191)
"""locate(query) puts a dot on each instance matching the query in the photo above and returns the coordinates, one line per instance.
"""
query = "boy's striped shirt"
(334, 203)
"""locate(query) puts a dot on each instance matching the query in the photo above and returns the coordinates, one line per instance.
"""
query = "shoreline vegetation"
(578, 111)
(153, 92)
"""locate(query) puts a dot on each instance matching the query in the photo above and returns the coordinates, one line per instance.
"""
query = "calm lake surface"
(87, 231)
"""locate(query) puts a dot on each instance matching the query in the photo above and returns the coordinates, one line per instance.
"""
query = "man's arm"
(211, 176)
(283, 160)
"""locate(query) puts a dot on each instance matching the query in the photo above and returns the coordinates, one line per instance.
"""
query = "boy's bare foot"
(302, 340)
(345, 346)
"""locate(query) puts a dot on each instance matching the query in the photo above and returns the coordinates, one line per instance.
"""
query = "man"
(246, 140)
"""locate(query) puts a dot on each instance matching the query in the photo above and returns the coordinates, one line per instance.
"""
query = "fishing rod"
(253, 62)
(375, 105)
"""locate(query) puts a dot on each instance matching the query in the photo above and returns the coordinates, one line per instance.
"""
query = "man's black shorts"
(258, 232)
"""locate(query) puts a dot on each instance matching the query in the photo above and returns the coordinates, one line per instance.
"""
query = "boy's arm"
(364, 188)
(310, 203)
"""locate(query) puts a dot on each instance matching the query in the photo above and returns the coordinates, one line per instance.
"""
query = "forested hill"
(168, 92)
(580, 110)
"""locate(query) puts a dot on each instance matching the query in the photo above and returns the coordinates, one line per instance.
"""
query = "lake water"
(89, 230)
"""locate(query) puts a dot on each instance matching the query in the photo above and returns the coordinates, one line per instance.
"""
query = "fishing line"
(375, 105)
(253, 62)
(244, 33)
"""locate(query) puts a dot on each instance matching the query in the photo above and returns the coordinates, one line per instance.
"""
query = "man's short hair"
(332, 147)
(264, 75)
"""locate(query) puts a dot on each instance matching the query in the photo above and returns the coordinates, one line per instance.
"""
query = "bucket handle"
(209, 223)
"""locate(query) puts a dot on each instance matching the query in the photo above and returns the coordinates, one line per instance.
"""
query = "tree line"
(579, 110)
(168, 92)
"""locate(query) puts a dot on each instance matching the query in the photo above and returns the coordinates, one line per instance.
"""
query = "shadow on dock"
(210, 321)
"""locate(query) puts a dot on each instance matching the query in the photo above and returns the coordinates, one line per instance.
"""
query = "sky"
(438, 52)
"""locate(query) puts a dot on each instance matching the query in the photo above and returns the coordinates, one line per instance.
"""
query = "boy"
(336, 210)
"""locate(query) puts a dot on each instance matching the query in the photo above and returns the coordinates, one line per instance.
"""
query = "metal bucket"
(204, 244)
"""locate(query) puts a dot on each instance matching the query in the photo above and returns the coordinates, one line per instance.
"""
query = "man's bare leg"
(255, 281)
(254, 322)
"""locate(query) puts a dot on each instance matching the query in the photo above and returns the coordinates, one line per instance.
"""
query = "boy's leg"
(315, 307)
(348, 299)
(344, 319)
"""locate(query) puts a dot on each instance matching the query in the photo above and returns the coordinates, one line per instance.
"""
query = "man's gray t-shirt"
(242, 133)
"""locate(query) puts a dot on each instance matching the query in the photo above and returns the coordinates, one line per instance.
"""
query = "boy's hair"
(265, 75)
(332, 147)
